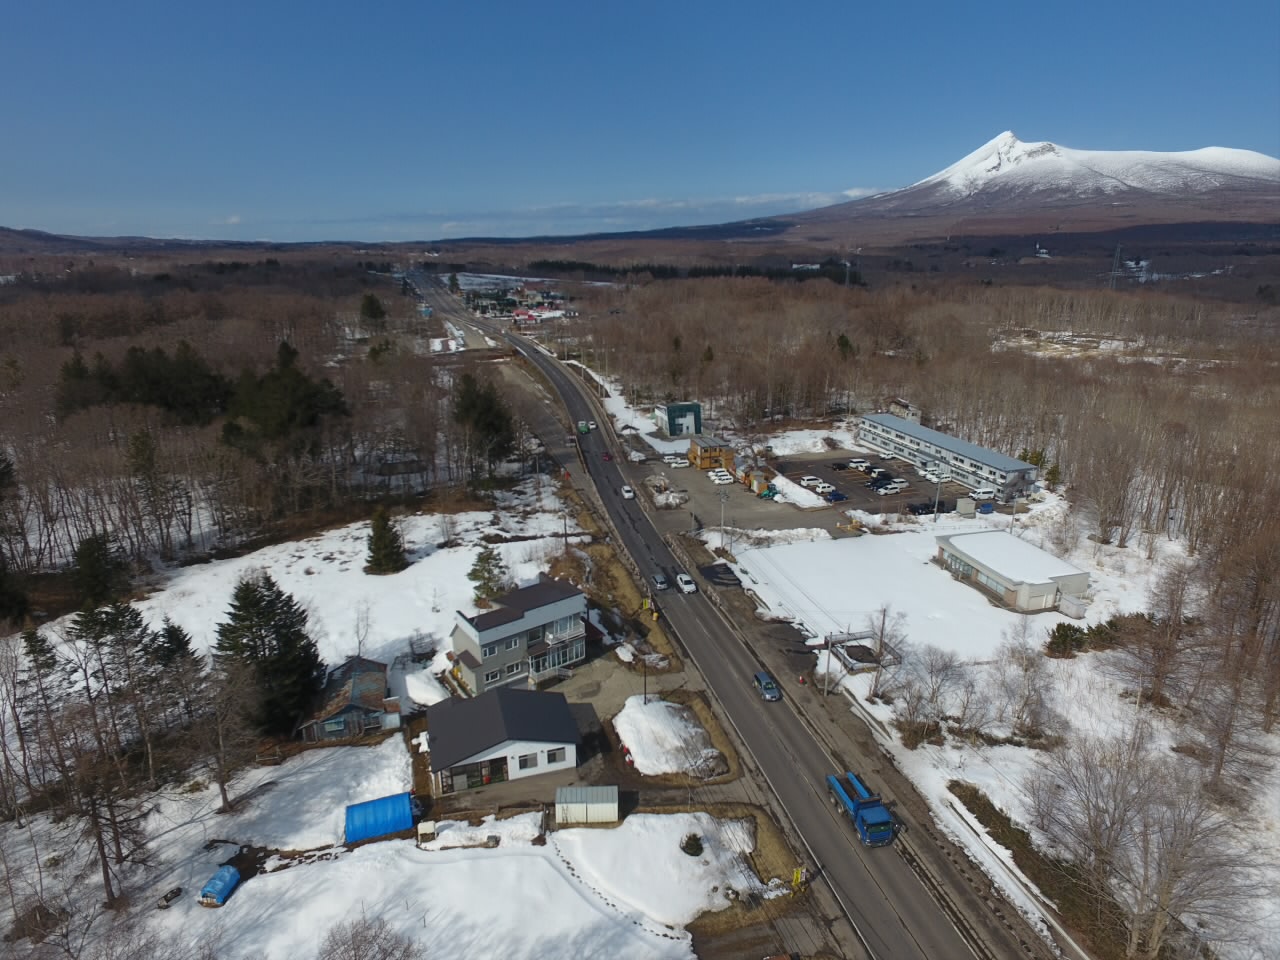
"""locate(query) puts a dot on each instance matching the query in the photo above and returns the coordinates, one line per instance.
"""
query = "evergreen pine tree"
(386, 547)
(1053, 476)
(13, 599)
(371, 308)
(489, 574)
(267, 630)
(99, 574)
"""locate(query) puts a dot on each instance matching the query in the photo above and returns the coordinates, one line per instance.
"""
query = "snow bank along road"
(889, 906)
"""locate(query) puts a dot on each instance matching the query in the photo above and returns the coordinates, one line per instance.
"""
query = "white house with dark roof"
(974, 466)
(1019, 574)
(532, 634)
(505, 734)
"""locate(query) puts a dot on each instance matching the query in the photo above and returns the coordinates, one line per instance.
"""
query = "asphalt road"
(884, 900)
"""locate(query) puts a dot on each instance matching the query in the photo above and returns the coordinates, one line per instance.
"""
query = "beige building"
(1020, 575)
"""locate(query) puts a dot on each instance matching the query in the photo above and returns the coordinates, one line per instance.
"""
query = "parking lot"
(744, 510)
(852, 482)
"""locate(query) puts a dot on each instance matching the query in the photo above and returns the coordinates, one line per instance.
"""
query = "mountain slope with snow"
(1008, 186)
(1009, 164)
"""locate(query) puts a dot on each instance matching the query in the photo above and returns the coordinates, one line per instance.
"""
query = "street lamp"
(724, 498)
(937, 488)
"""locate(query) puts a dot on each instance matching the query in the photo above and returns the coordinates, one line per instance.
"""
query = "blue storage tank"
(215, 892)
(377, 818)
(987, 507)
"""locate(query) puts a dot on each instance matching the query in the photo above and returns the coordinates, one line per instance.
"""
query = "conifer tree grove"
(267, 630)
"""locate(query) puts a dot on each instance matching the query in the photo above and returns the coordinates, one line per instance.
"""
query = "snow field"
(663, 737)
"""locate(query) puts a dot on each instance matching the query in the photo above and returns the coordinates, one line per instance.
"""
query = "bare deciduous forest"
(1159, 414)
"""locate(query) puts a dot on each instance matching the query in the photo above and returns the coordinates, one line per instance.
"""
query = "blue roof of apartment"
(992, 458)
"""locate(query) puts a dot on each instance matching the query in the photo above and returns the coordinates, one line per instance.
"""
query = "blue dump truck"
(864, 809)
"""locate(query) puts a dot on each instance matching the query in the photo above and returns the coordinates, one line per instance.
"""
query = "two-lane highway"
(885, 901)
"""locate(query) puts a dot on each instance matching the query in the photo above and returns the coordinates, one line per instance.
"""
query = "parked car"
(899, 484)
(679, 463)
(835, 496)
(880, 472)
(670, 458)
(878, 482)
(982, 493)
(660, 581)
(766, 686)
(628, 493)
(809, 481)
(887, 490)
(721, 479)
(685, 583)
(822, 489)
(839, 465)
(857, 463)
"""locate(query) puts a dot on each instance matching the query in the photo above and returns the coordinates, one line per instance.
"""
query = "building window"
(514, 668)
(556, 755)
(513, 643)
(335, 726)
(488, 650)
(493, 676)
(529, 761)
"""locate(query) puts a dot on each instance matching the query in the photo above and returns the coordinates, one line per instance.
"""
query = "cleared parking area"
(832, 467)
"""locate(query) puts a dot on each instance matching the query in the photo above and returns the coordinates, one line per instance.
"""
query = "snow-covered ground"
(663, 737)
(622, 892)
(326, 574)
(837, 585)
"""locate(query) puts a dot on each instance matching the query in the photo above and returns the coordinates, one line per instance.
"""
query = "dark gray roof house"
(504, 734)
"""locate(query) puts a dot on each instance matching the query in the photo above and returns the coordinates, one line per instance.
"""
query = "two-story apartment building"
(532, 634)
(974, 466)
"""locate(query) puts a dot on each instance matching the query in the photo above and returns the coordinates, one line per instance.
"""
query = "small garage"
(586, 805)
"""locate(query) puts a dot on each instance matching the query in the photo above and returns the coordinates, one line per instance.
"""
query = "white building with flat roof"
(1021, 575)
(974, 466)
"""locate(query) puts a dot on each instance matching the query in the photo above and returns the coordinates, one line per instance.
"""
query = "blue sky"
(423, 120)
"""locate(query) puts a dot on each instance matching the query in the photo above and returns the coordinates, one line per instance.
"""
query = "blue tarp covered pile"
(377, 818)
(215, 892)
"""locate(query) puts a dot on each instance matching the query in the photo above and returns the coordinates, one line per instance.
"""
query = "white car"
(591, 424)
(722, 480)
(719, 473)
(859, 464)
(685, 583)
(823, 489)
(671, 458)
(679, 463)
(809, 481)
(628, 493)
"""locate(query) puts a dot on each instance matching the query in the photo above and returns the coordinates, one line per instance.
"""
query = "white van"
(982, 493)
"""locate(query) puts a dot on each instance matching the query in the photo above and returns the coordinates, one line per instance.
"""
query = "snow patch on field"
(665, 737)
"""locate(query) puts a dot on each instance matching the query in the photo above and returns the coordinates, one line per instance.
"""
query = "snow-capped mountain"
(1006, 180)
(1008, 164)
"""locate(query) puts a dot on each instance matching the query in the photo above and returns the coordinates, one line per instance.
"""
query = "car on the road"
(591, 424)
(766, 686)
(628, 493)
(608, 455)
(685, 583)
(809, 481)
(835, 496)
(857, 463)
(660, 581)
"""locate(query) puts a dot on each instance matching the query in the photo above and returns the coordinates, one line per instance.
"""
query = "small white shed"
(586, 805)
